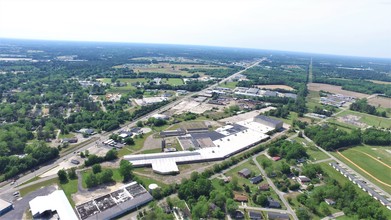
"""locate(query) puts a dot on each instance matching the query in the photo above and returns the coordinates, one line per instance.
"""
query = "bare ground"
(335, 90)
(276, 87)
(380, 101)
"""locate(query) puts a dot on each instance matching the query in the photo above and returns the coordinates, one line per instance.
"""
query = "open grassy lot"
(173, 81)
(379, 169)
(314, 153)
(116, 176)
(179, 69)
(230, 85)
(289, 120)
(70, 188)
(26, 190)
(370, 120)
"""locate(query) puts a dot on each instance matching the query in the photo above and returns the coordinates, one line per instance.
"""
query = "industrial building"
(5, 207)
(274, 123)
(54, 205)
(112, 205)
(202, 145)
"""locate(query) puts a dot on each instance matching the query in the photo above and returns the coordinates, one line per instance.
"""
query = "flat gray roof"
(268, 119)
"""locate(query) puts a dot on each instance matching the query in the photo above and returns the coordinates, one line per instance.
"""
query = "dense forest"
(330, 138)
(361, 105)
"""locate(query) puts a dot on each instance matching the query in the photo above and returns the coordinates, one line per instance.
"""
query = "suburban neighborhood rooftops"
(276, 215)
(245, 172)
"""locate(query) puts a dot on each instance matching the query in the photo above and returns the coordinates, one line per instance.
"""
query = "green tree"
(91, 180)
(140, 124)
(96, 168)
(106, 176)
(72, 173)
(62, 176)
(125, 169)
(111, 155)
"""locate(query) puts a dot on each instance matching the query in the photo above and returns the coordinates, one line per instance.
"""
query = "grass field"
(289, 120)
(314, 153)
(230, 85)
(173, 81)
(116, 176)
(370, 120)
(178, 69)
(312, 100)
(29, 189)
(370, 164)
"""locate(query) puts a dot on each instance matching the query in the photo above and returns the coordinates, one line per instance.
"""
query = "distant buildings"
(255, 92)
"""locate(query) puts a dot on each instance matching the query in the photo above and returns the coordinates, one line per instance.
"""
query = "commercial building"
(274, 123)
(5, 207)
(54, 205)
(201, 145)
(112, 205)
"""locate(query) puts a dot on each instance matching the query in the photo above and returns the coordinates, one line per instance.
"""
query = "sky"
(342, 27)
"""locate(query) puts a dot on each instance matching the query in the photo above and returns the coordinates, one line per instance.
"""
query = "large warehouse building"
(5, 207)
(54, 205)
(207, 146)
(274, 123)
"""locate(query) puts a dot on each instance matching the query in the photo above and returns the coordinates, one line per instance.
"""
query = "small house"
(264, 187)
(303, 179)
(238, 215)
(240, 198)
(256, 179)
(273, 204)
(255, 215)
(329, 201)
(276, 215)
(245, 173)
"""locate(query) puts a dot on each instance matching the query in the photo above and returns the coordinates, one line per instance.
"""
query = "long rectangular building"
(215, 145)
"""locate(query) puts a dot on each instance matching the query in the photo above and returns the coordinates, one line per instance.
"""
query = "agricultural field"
(178, 69)
(373, 163)
(380, 82)
(335, 89)
(379, 101)
(285, 87)
(312, 100)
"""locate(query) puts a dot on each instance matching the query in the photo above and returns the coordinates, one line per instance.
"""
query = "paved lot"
(20, 206)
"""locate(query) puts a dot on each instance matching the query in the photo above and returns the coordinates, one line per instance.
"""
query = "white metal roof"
(167, 162)
(54, 201)
(4, 204)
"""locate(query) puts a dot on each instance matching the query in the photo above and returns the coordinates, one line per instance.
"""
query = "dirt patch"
(285, 87)
(245, 116)
(380, 101)
(352, 120)
(80, 198)
(335, 90)
(380, 82)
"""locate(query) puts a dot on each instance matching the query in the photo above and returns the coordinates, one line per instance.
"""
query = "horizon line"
(198, 45)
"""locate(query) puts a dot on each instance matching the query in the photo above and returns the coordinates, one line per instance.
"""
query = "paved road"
(264, 209)
(279, 193)
(7, 188)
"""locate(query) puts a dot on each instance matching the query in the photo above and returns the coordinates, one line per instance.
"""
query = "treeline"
(373, 136)
(356, 85)
(36, 154)
(192, 86)
(361, 105)
(330, 138)
(218, 72)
